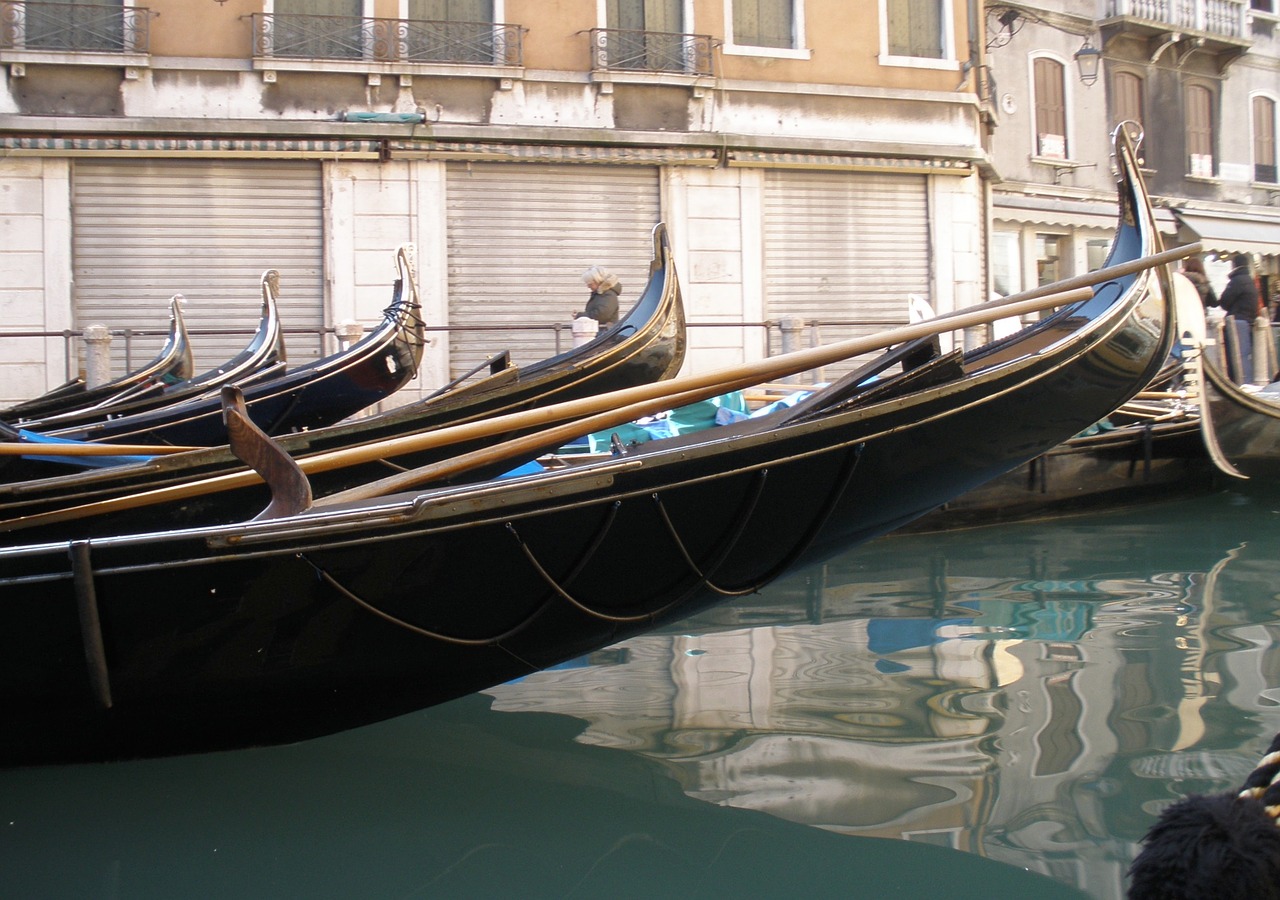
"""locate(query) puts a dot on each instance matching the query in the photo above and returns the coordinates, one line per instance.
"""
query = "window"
(1051, 109)
(1264, 139)
(451, 31)
(1048, 259)
(645, 15)
(916, 28)
(647, 34)
(764, 23)
(1199, 131)
(1126, 98)
(1095, 253)
(319, 29)
(1006, 263)
(84, 26)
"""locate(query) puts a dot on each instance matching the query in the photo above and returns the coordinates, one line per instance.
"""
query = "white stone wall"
(35, 256)
(371, 209)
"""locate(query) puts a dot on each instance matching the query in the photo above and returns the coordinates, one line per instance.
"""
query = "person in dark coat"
(1239, 301)
(1240, 296)
(1193, 268)
(602, 305)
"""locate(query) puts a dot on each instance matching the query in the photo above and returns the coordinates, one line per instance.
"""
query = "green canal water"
(997, 712)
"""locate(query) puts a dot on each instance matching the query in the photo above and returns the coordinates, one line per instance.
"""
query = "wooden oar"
(664, 394)
(22, 448)
(656, 397)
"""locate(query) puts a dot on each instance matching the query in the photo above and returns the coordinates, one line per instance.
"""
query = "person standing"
(602, 305)
(1193, 268)
(1239, 301)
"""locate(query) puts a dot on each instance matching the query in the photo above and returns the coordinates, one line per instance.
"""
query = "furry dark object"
(1220, 846)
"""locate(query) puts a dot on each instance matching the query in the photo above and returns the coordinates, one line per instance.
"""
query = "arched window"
(1051, 109)
(1264, 139)
(1199, 131)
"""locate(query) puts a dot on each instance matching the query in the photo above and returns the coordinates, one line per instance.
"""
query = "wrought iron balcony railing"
(387, 40)
(1227, 18)
(75, 27)
(651, 51)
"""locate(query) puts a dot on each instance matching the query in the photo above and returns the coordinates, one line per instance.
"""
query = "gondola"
(1154, 448)
(263, 357)
(172, 364)
(310, 622)
(318, 394)
(1243, 422)
(646, 345)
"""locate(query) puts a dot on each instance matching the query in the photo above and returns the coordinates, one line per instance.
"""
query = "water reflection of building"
(1028, 716)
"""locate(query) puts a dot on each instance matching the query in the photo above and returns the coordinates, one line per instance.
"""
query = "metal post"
(97, 355)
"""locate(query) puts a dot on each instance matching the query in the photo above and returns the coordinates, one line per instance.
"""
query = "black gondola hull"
(300, 626)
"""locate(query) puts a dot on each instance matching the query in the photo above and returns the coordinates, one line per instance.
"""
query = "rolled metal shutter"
(144, 230)
(844, 247)
(519, 238)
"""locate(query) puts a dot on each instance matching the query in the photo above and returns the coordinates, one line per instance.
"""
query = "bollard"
(97, 355)
(791, 328)
(585, 329)
(348, 331)
(975, 336)
(1264, 359)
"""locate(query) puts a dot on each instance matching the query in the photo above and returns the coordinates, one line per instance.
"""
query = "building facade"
(814, 166)
(1199, 80)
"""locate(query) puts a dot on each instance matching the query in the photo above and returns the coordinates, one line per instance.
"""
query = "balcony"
(338, 38)
(1217, 27)
(70, 32)
(617, 50)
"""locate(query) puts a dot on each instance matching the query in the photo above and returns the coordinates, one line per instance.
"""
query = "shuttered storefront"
(519, 238)
(144, 230)
(844, 247)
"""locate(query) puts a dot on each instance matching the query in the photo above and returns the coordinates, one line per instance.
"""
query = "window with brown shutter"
(1051, 110)
(1126, 97)
(1264, 139)
(1199, 104)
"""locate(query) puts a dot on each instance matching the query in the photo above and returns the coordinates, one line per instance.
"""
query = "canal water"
(999, 711)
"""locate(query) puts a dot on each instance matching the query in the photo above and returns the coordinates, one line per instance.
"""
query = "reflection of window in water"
(1048, 258)
(938, 837)
(1006, 265)
(1096, 253)
(1058, 743)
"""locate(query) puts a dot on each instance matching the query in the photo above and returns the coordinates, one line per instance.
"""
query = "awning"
(264, 148)
(1057, 213)
(616, 154)
(1229, 234)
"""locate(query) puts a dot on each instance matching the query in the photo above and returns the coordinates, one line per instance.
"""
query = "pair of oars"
(578, 417)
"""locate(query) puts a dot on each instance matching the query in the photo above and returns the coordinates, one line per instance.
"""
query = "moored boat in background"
(263, 357)
(317, 394)
(173, 363)
(647, 344)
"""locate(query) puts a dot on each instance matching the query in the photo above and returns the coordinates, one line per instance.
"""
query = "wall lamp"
(1088, 58)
